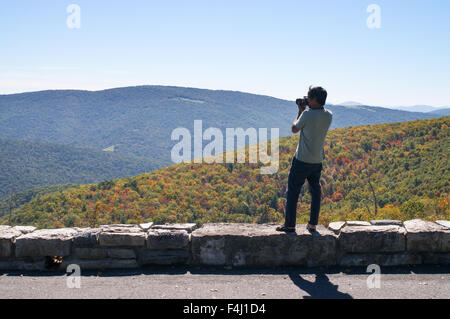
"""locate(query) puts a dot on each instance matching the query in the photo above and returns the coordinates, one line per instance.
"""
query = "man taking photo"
(313, 123)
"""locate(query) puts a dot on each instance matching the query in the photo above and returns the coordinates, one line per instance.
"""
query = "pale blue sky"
(276, 48)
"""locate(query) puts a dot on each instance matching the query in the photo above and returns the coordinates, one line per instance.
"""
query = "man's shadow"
(322, 288)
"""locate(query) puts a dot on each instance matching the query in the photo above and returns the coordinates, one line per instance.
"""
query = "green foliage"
(25, 165)
(106, 185)
(19, 199)
(412, 208)
(355, 177)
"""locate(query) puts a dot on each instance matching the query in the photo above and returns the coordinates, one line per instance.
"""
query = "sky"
(276, 48)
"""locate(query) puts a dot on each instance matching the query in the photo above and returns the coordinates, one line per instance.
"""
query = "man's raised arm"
(299, 122)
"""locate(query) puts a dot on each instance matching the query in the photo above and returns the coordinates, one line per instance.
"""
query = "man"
(307, 162)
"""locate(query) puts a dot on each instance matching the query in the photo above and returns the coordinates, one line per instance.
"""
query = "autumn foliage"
(388, 171)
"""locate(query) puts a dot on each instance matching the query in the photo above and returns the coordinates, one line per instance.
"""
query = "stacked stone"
(351, 243)
(131, 246)
(392, 243)
(261, 246)
(106, 247)
(25, 248)
(430, 240)
(167, 245)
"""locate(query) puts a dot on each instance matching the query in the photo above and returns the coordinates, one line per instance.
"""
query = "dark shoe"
(312, 231)
(286, 229)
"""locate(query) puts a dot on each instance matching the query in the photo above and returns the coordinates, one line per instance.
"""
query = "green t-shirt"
(314, 125)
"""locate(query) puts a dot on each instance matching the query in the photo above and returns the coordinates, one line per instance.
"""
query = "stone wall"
(351, 243)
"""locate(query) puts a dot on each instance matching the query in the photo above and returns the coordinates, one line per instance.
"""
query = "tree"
(11, 205)
(412, 208)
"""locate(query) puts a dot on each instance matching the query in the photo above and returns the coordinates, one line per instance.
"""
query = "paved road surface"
(398, 282)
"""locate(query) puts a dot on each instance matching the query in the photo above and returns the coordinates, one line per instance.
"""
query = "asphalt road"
(186, 283)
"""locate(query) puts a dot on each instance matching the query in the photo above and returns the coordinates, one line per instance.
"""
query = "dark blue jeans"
(300, 171)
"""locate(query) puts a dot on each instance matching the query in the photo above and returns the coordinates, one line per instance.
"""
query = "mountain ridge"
(138, 120)
(126, 117)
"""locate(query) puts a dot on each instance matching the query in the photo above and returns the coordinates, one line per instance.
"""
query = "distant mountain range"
(139, 120)
(444, 110)
(133, 122)
(421, 108)
(351, 103)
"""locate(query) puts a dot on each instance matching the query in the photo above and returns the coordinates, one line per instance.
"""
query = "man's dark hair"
(319, 93)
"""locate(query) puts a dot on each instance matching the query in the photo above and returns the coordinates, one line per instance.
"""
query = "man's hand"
(301, 108)
(294, 129)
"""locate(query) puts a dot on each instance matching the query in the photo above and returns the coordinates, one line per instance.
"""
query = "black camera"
(302, 102)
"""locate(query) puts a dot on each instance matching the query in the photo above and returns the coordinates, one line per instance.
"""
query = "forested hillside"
(24, 165)
(15, 200)
(132, 121)
(140, 120)
(397, 170)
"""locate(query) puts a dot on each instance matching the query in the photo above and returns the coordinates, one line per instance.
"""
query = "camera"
(302, 102)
